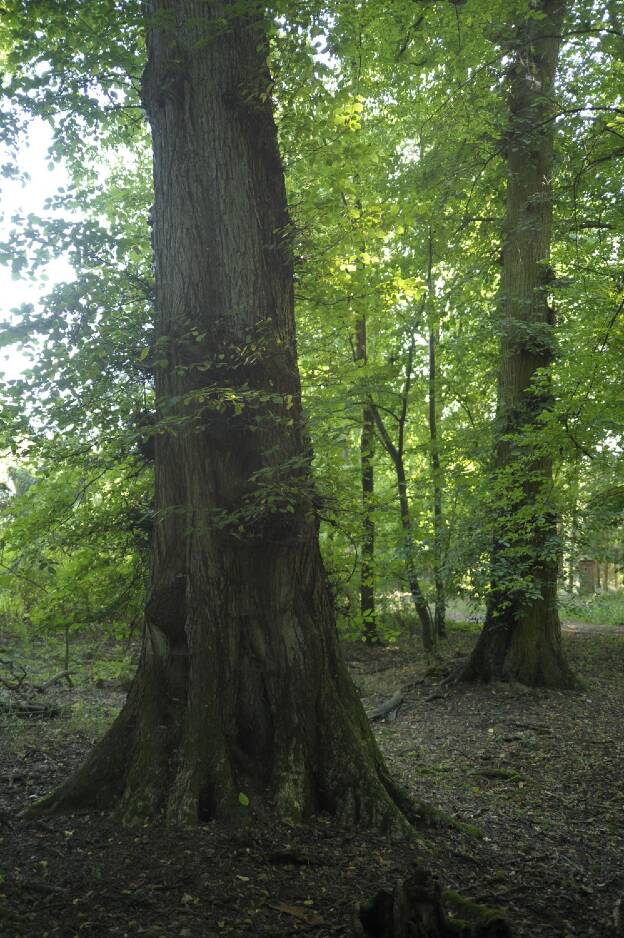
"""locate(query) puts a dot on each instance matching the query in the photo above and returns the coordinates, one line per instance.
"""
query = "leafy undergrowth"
(535, 775)
(605, 608)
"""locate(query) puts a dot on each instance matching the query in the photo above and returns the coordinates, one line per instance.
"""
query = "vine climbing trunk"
(521, 639)
(241, 700)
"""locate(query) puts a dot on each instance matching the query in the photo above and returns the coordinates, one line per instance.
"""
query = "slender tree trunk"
(420, 604)
(521, 639)
(573, 549)
(436, 468)
(66, 648)
(395, 453)
(241, 697)
(367, 478)
(438, 483)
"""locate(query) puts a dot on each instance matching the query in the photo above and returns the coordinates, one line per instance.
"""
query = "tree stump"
(414, 909)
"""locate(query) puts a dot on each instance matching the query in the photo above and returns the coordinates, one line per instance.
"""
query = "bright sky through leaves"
(19, 198)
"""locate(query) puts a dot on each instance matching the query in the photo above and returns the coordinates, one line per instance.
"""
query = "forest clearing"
(311, 476)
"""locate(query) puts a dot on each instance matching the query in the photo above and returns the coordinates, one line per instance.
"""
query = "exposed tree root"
(141, 770)
(387, 709)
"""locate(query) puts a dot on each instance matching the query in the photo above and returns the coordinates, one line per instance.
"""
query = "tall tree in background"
(521, 639)
(367, 478)
(437, 480)
(396, 453)
(241, 694)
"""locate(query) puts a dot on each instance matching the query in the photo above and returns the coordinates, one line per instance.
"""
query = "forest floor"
(539, 776)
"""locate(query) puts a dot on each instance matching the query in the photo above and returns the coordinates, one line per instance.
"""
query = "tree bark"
(241, 703)
(521, 639)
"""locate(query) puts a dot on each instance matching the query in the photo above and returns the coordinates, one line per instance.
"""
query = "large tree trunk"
(241, 695)
(521, 639)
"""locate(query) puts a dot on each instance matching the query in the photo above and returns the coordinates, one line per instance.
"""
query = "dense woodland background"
(393, 125)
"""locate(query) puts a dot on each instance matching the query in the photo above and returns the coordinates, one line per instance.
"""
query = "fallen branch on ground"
(386, 710)
(29, 708)
(61, 676)
(20, 701)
